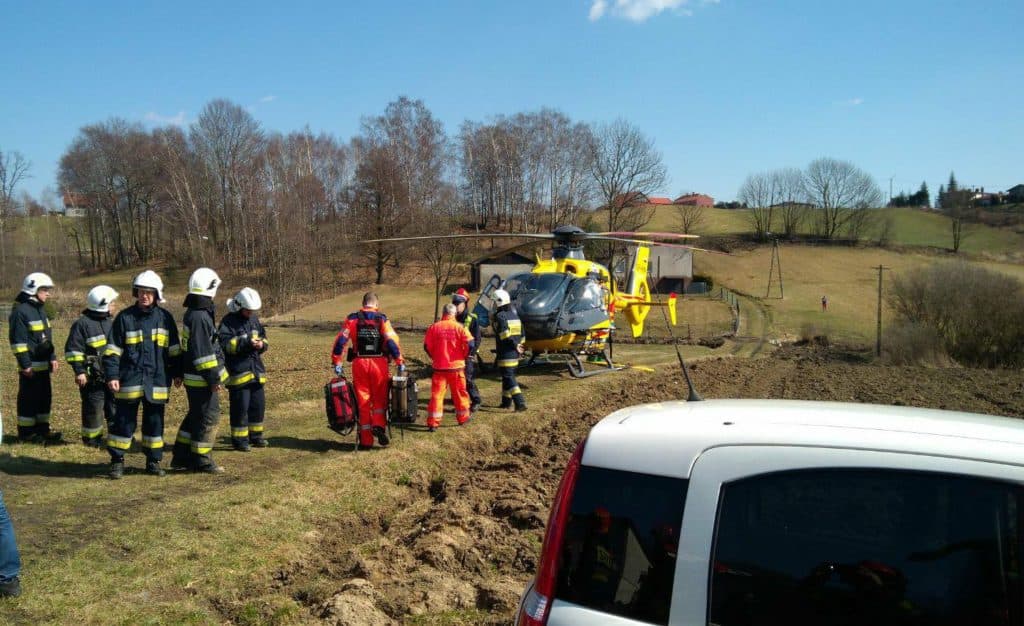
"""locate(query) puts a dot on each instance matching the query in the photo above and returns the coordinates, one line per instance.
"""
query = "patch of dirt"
(464, 547)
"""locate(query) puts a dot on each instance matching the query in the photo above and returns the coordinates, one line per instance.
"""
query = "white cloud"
(268, 98)
(641, 10)
(173, 120)
(853, 102)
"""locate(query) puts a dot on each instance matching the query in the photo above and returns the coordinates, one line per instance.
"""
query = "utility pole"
(878, 328)
(776, 263)
(890, 189)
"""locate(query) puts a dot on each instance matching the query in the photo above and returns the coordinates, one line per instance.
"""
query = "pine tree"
(952, 186)
(940, 198)
(924, 198)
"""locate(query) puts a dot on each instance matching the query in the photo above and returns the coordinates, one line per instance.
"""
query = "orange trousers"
(460, 397)
(370, 379)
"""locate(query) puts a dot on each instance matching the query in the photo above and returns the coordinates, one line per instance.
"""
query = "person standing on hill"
(469, 320)
(244, 341)
(141, 359)
(448, 344)
(84, 352)
(202, 364)
(508, 331)
(32, 345)
(374, 345)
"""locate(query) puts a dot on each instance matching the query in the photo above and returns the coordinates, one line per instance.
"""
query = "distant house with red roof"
(695, 199)
(637, 198)
(75, 204)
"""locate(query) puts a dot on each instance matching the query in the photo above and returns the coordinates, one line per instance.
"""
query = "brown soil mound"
(461, 550)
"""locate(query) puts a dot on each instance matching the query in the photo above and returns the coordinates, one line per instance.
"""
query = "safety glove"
(338, 370)
(401, 368)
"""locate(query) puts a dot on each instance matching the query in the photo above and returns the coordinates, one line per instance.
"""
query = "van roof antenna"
(692, 395)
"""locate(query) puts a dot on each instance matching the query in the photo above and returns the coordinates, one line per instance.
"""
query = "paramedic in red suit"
(371, 343)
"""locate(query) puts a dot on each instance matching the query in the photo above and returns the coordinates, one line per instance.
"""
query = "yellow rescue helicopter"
(570, 307)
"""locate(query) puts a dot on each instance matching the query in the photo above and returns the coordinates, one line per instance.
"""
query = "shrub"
(704, 278)
(977, 313)
(907, 343)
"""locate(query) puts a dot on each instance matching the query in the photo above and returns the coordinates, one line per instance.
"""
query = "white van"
(768, 512)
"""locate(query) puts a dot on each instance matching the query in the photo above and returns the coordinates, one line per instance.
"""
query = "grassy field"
(193, 549)
(847, 276)
(909, 227)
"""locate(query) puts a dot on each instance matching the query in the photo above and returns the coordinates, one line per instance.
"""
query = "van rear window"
(877, 547)
(619, 551)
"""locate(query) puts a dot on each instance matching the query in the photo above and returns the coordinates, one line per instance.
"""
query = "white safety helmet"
(204, 282)
(501, 297)
(247, 298)
(100, 297)
(34, 281)
(149, 280)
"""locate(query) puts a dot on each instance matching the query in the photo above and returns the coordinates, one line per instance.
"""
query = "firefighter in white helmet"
(140, 361)
(32, 345)
(202, 365)
(244, 341)
(83, 350)
(509, 338)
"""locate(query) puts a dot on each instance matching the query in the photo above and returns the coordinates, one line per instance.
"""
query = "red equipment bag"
(341, 404)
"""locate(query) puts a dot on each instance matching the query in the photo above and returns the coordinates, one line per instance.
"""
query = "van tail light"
(537, 604)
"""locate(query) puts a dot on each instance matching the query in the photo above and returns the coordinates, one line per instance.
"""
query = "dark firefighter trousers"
(474, 393)
(97, 410)
(34, 400)
(248, 403)
(510, 391)
(193, 446)
(121, 429)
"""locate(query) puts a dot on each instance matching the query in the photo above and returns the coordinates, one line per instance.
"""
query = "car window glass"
(846, 547)
(619, 551)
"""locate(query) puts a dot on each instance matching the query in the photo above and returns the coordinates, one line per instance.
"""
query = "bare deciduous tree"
(838, 189)
(14, 169)
(760, 192)
(689, 217)
(625, 165)
(792, 209)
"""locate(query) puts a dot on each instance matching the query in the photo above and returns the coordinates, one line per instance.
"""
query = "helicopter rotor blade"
(658, 244)
(637, 234)
(547, 236)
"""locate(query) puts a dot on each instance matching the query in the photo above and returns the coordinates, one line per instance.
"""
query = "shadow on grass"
(329, 443)
(29, 466)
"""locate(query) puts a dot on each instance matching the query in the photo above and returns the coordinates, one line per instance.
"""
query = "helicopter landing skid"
(576, 369)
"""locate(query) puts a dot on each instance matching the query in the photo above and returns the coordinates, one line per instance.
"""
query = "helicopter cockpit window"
(584, 295)
(537, 294)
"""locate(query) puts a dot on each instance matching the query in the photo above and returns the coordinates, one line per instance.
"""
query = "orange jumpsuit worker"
(448, 343)
(374, 344)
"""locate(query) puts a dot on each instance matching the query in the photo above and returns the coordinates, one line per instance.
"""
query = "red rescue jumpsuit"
(374, 344)
(448, 343)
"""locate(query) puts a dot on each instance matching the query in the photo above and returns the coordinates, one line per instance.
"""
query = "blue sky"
(905, 89)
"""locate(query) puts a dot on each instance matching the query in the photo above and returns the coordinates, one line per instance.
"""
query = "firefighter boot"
(116, 470)
(10, 588)
(382, 436)
(153, 468)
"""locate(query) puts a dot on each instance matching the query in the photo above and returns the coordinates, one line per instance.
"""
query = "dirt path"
(462, 547)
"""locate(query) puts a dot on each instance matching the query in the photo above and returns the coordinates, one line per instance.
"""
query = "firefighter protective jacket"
(509, 332)
(448, 343)
(143, 353)
(367, 319)
(29, 333)
(243, 362)
(87, 339)
(469, 320)
(203, 360)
